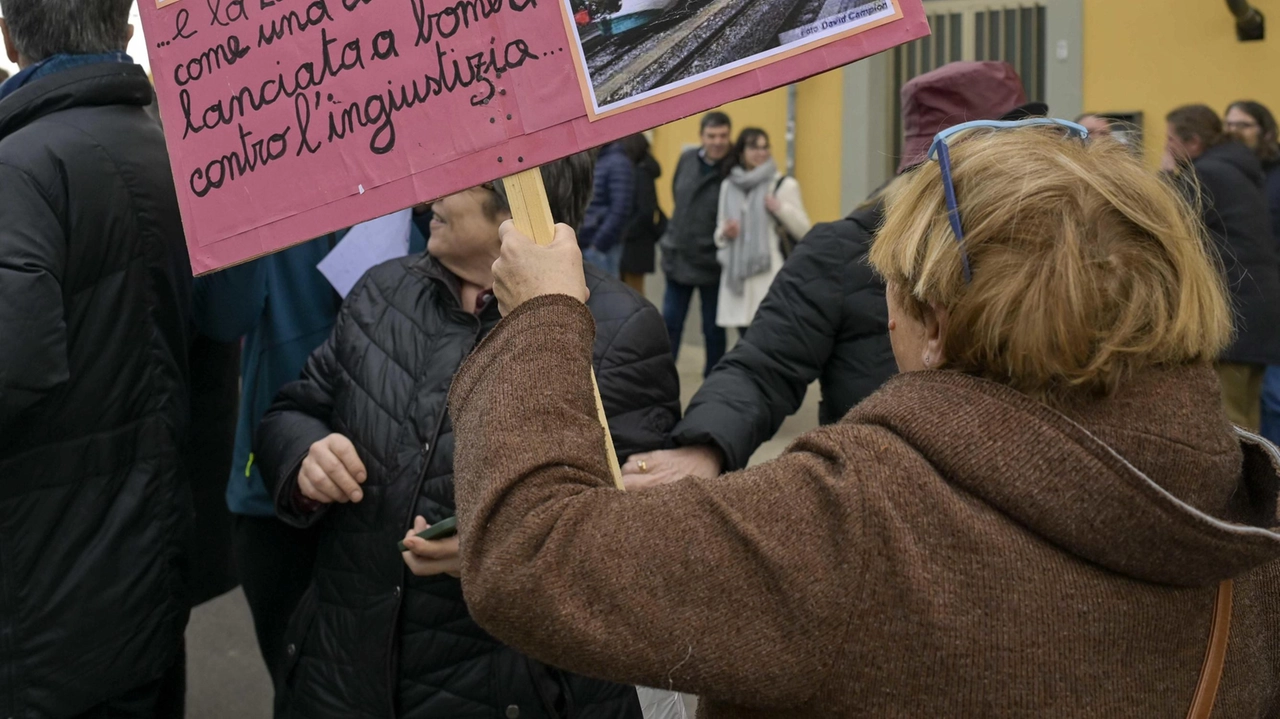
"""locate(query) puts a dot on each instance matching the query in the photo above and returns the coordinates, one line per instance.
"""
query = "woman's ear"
(934, 350)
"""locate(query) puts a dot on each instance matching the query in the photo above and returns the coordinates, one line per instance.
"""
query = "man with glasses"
(1253, 124)
(362, 448)
(1097, 125)
(1226, 180)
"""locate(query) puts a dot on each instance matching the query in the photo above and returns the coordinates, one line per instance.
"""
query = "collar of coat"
(1152, 483)
(430, 268)
(96, 85)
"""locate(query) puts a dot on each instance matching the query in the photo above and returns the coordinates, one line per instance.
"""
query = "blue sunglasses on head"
(941, 152)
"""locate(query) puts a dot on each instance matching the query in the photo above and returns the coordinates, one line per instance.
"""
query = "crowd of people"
(1045, 369)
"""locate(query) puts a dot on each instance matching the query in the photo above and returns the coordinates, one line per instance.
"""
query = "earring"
(928, 361)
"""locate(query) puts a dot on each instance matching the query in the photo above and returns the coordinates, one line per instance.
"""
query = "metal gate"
(1014, 32)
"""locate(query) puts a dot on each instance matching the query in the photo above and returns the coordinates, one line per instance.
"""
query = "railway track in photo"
(703, 36)
(711, 45)
(688, 38)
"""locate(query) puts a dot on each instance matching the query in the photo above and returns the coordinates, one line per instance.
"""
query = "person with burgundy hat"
(824, 318)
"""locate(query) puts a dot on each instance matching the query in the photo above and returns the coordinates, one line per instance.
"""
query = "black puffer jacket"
(1234, 205)
(370, 639)
(94, 284)
(824, 318)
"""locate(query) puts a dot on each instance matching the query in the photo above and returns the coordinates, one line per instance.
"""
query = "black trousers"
(164, 698)
(275, 562)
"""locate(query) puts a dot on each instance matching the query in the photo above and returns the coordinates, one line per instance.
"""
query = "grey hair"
(569, 183)
(41, 28)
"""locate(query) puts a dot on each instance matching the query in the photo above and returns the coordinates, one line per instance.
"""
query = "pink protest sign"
(288, 119)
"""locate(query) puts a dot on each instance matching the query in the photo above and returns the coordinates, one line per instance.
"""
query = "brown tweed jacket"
(951, 548)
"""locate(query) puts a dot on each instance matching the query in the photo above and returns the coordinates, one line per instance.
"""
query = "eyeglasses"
(1243, 125)
(940, 151)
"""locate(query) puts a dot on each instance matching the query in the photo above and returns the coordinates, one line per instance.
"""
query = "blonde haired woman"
(760, 210)
(1045, 514)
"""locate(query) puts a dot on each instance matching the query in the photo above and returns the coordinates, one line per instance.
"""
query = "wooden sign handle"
(527, 198)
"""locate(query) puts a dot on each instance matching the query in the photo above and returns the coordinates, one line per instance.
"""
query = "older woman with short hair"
(1046, 514)
(361, 448)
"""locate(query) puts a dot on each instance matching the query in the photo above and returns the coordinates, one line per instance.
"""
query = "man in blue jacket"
(284, 308)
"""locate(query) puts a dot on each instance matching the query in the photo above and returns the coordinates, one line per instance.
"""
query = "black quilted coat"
(369, 639)
(824, 318)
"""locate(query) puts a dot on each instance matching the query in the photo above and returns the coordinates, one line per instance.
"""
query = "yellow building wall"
(819, 146)
(1154, 55)
(818, 140)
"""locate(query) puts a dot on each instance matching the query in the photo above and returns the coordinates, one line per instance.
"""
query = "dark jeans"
(275, 563)
(675, 308)
(164, 698)
(1271, 404)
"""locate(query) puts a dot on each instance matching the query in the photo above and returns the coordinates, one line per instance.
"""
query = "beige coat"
(952, 548)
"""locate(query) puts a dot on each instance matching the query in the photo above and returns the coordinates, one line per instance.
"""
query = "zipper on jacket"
(428, 451)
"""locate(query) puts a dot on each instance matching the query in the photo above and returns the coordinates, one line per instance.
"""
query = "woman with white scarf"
(757, 204)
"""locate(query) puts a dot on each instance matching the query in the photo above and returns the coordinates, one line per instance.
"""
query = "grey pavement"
(226, 678)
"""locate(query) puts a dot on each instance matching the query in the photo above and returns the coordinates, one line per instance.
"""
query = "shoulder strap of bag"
(781, 228)
(1215, 655)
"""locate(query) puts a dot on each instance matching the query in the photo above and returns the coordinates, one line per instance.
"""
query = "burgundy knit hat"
(955, 93)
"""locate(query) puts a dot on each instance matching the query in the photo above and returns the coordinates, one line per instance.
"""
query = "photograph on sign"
(631, 51)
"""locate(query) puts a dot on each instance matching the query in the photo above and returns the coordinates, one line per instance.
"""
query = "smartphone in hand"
(439, 530)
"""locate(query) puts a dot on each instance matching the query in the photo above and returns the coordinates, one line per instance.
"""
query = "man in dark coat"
(1233, 203)
(362, 446)
(825, 316)
(215, 391)
(94, 316)
(1253, 124)
(689, 246)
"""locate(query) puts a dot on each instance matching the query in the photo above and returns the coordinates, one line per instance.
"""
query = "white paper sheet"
(364, 246)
